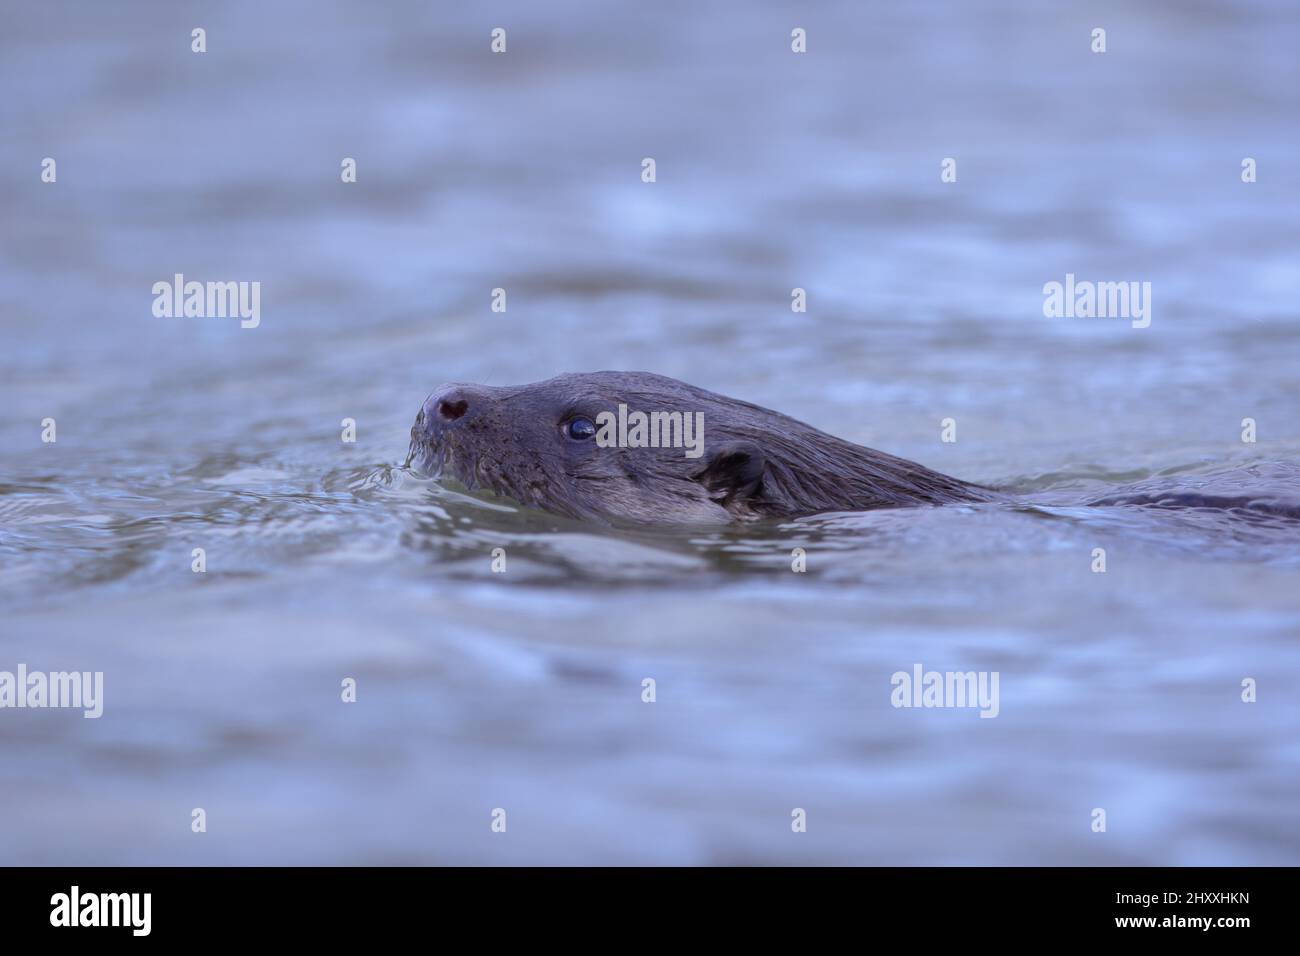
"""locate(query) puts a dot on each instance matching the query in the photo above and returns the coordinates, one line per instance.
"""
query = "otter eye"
(580, 429)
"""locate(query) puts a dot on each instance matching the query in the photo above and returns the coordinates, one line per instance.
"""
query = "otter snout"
(450, 406)
(449, 427)
(444, 413)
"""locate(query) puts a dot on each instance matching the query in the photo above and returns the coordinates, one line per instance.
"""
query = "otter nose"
(448, 406)
(452, 407)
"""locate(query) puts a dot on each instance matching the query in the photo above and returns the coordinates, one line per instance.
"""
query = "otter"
(538, 444)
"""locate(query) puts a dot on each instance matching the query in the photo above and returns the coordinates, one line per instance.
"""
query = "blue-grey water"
(1120, 691)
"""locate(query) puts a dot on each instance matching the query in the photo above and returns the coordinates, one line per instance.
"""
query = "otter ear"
(734, 472)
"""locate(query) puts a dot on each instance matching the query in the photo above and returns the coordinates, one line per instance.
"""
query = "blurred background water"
(522, 171)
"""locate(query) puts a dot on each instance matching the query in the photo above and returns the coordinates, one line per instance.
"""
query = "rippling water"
(523, 690)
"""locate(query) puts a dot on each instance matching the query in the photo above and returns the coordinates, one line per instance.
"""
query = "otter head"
(558, 445)
(571, 445)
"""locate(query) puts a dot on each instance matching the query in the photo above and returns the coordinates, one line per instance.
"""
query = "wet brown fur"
(756, 464)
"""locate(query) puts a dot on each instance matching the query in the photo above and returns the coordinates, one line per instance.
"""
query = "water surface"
(523, 690)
